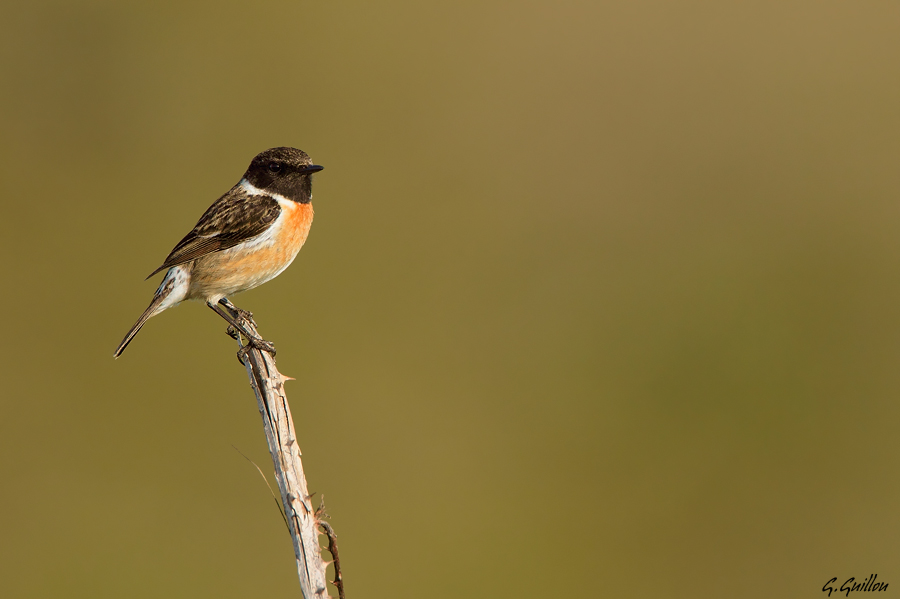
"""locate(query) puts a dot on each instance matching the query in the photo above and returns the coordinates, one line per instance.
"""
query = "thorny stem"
(303, 522)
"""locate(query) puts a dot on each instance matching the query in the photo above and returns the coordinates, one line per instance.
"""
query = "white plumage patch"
(175, 286)
(256, 191)
(253, 190)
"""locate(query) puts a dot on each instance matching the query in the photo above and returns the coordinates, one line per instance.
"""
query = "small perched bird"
(247, 237)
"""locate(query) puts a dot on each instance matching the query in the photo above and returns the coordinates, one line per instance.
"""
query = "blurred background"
(601, 299)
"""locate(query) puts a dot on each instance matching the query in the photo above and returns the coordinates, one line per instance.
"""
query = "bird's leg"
(253, 340)
(235, 312)
(238, 313)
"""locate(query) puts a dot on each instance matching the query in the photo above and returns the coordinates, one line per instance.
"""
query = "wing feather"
(235, 217)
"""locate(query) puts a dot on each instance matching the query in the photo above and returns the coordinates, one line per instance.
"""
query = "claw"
(262, 345)
(242, 354)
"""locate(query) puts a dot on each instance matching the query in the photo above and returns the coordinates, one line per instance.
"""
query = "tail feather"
(151, 310)
(172, 290)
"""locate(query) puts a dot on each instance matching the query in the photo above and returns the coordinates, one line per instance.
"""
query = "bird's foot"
(255, 343)
(245, 315)
(238, 313)
(261, 344)
(242, 354)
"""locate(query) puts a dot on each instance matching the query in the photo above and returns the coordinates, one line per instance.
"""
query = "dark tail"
(150, 311)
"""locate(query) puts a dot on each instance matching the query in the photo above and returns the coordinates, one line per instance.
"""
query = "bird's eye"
(274, 167)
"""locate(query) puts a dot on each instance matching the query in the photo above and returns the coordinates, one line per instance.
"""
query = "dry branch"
(303, 523)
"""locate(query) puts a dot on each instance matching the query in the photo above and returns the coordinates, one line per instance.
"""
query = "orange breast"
(256, 261)
(297, 220)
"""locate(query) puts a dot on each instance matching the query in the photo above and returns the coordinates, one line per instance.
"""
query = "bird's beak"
(312, 168)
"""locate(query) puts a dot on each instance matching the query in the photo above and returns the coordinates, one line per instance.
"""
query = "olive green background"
(601, 299)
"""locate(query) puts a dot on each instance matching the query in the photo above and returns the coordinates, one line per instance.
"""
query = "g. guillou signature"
(851, 585)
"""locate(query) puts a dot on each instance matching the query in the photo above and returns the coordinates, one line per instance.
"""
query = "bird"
(248, 236)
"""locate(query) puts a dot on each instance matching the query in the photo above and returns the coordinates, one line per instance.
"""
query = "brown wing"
(233, 218)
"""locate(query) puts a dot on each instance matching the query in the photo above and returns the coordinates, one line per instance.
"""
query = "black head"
(285, 171)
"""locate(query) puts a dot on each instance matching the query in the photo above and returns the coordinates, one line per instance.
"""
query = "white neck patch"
(256, 191)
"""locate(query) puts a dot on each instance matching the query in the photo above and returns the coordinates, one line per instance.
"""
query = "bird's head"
(285, 171)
